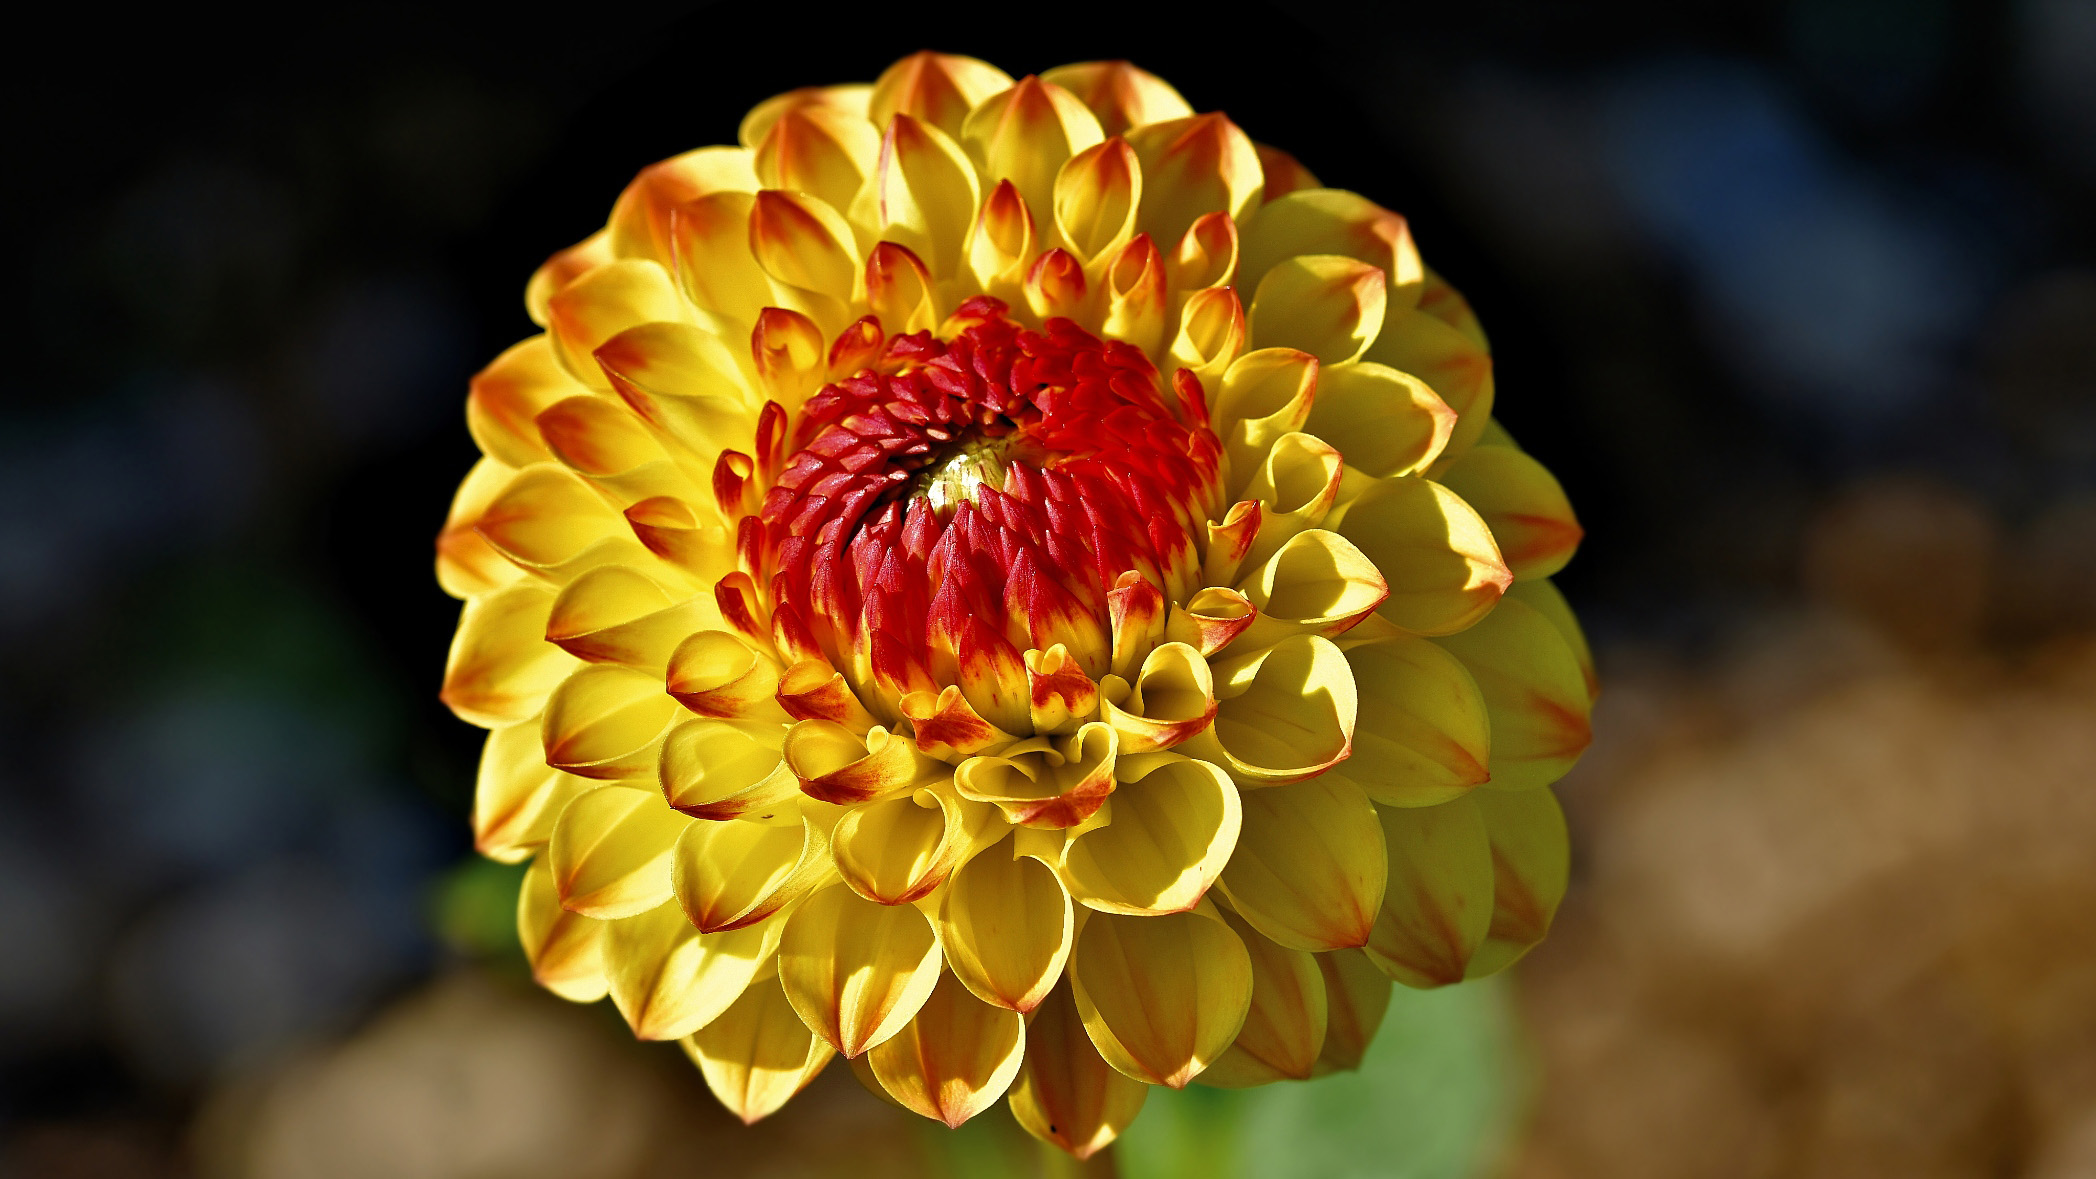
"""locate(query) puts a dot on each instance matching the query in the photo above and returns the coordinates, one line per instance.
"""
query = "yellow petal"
(1332, 221)
(687, 387)
(1309, 867)
(1522, 503)
(506, 398)
(1447, 304)
(669, 980)
(1324, 304)
(716, 674)
(1548, 601)
(1206, 255)
(1424, 735)
(857, 971)
(900, 290)
(1284, 1029)
(1172, 698)
(1211, 336)
(954, 1058)
(501, 669)
(1175, 821)
(1097, 195)
(921, 194)
(938, 88)
(517, 796)
(1284, 173)
(1457, 367)
(1531, 862)
(1438, 905)
(1210, 620)
(1317, 583)
(612, 614)
(898, 850)
(1387, 422)
(730, 874)
(605, 302)
(467, 564)
(718, 769)
(947, 727)
(1263, 395)
(1356, 996)
(1296, 485)
(835, 765)
(550, 521)
(563, 268)
(1001, 245)
(611, 852)
(1026, 133)
(607, 721)
(566, 950)
(812, 690)
(1191, 166)
(1161, 997)
(1534, 691)
(1066, 1094)
(1284, 713)
(1121, 95)
(688, 540)
(757, 1054)
(1133, 286)
(1043, 783)
(821, 150)
(640, 218)
(601, 440)
(851, 98)
(710, 244)
(1443, 569)
(803, 242)
(1006, 924)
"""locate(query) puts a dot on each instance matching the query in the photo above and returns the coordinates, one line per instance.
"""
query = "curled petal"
(811, 690)
(699, 548)
(1006, 926)
(1296, 487)
(604, 302)
(836, 765)
(1193, 166)
(1161, 997)
(565, 949)
(945, 726)
(612, 614)
(1230, 541)
(1438, 906)
(922, 194)
(757, 1054)
(1531, 863)
(1391, 423)
(611, 851)
(607, 721)
(1098, 193)
(1121, 95)
(899, 850)
(1137, 610)
(501, 669)
(1456, 366)
(954, 1058)
(857, 971)
(1171, 698)
(726, 769)
(1174, 822)
(1425, 736)
(714, 673)
(1533, 690)
(467, 565)
(517, 796)
(1435, 551)
(640, 218)
(728, 875)
(597, 438)
(1134, 290)
(1211, 335)
(1002, 242)
(938, 88)
(821, 150)
(504, 401)
(1055, 285)
(1026, 133)
(1210, 620)
(1284, 713)
(1357, 994)
(1060, 696)
(1284, 1029)
(1331, 221)
(787, 350)
(1264, 395)
(1522, 503)
(804, 242)
(1037, 783)
(1324, 304)
(900, 290)
(1207, 254)
(669, 980)
(1309, 868)
(1316, 583)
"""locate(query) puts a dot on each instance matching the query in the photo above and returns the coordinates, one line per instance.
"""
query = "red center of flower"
(975, 497)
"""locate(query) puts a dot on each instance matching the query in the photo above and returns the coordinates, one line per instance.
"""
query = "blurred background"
(1797, 297)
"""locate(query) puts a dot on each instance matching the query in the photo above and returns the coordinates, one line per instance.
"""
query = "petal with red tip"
(1120, 94)
(820, 150)
(608, 721)
(731, 874)
(501, 670)
(1425, 736)
(1309, 867)
(724, 769)
(1284, 1029)
(954, 1058)
(857, 971)
(1324, 304)
(1332, 221)
(1161, 997)
(922, 193)
(1522, 503)
(565, 949)
(640, 218)
(467, 565)
(1006, 926)
(611, 851)
(505, 399)
(1531, 862)
(1534, 691)
(1026, 133)
(757, 1054)
(517, 796)
(1283, 714)
(669, 980)
(604, 302)
(613, 614)
(1098, 194)
(1457, 367)
(1390, 423)
(1192, 166)
(1547, 600)
(1434, 550)
(1437, 908)
(1174, 822)
(938, 88)
(804, 242)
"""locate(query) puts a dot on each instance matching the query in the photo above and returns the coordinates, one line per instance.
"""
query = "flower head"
(1016, 584)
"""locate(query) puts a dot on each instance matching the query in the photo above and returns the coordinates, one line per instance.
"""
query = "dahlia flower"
(1018, 585)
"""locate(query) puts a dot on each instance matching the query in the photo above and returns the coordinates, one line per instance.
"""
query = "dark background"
(1737, 260)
